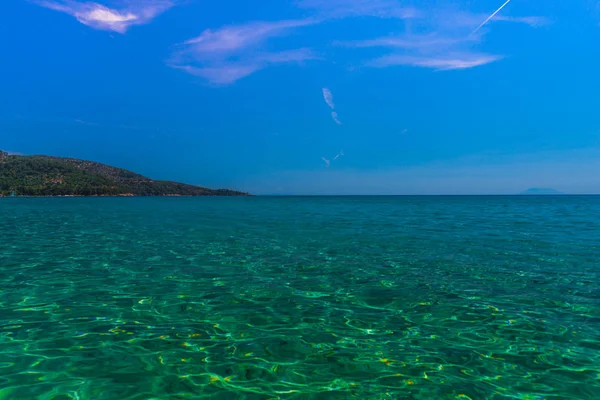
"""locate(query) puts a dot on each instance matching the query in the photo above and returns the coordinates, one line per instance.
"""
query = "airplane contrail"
(490, 17)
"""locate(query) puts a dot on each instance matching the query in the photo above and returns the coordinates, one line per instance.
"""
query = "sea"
(300, 298)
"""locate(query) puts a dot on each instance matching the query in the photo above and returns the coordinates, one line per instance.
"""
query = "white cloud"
(334, 116)
(436, 38)
(441, 63)
(446, 40)
(429, 51)
(533, 21)
(232, 38)
(464, 22)
(221, 75)
(328, 97)
(433, 50)
(328, 162)
(228, 54)
(225, 72)
(98, 16)
(403, 42)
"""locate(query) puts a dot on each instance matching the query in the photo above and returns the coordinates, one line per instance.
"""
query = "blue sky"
(311, 96)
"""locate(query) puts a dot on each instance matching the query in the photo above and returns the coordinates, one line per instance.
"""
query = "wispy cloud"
(232, 38)
(228, 54)
(436, 38)
(405, 41)
(463, 23)
(334, 116)
(440, 63)
(360, 8)
(328, 97)
(533, 21)
(448, 40)
(227, 71)
(434, 50)
(222, 74)
(439, 38)
(430, 15)
(429, 50)
(82, 122)
(328, 162)
(99, 16)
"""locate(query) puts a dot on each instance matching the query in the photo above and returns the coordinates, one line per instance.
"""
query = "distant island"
(540, 191)
(56, 176)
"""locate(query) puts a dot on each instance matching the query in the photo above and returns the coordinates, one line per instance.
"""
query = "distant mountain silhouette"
(539, 191)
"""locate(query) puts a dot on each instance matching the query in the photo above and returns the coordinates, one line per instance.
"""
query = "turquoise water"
(300, 298)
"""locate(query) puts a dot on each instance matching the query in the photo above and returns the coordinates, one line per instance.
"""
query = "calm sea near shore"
(300, 298)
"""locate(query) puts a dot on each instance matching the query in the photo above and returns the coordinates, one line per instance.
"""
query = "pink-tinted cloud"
(231, 53)
(230, 39)
(99, 16)
(287, 56)
(226, 72)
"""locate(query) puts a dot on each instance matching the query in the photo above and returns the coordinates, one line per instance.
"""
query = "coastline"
(48, 176)
(122, 195)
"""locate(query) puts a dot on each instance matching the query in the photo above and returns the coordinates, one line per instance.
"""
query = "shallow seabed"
(300, 298)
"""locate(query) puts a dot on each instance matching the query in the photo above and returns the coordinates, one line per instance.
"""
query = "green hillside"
(55, 176)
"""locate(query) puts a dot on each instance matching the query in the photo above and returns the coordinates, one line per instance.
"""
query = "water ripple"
(300, 298)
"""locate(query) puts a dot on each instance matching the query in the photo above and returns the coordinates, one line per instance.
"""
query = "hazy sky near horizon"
(311, 96)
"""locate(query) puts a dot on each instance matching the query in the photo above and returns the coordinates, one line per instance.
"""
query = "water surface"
(300, 298)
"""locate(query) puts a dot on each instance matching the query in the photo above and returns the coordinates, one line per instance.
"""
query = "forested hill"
(55, 176)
